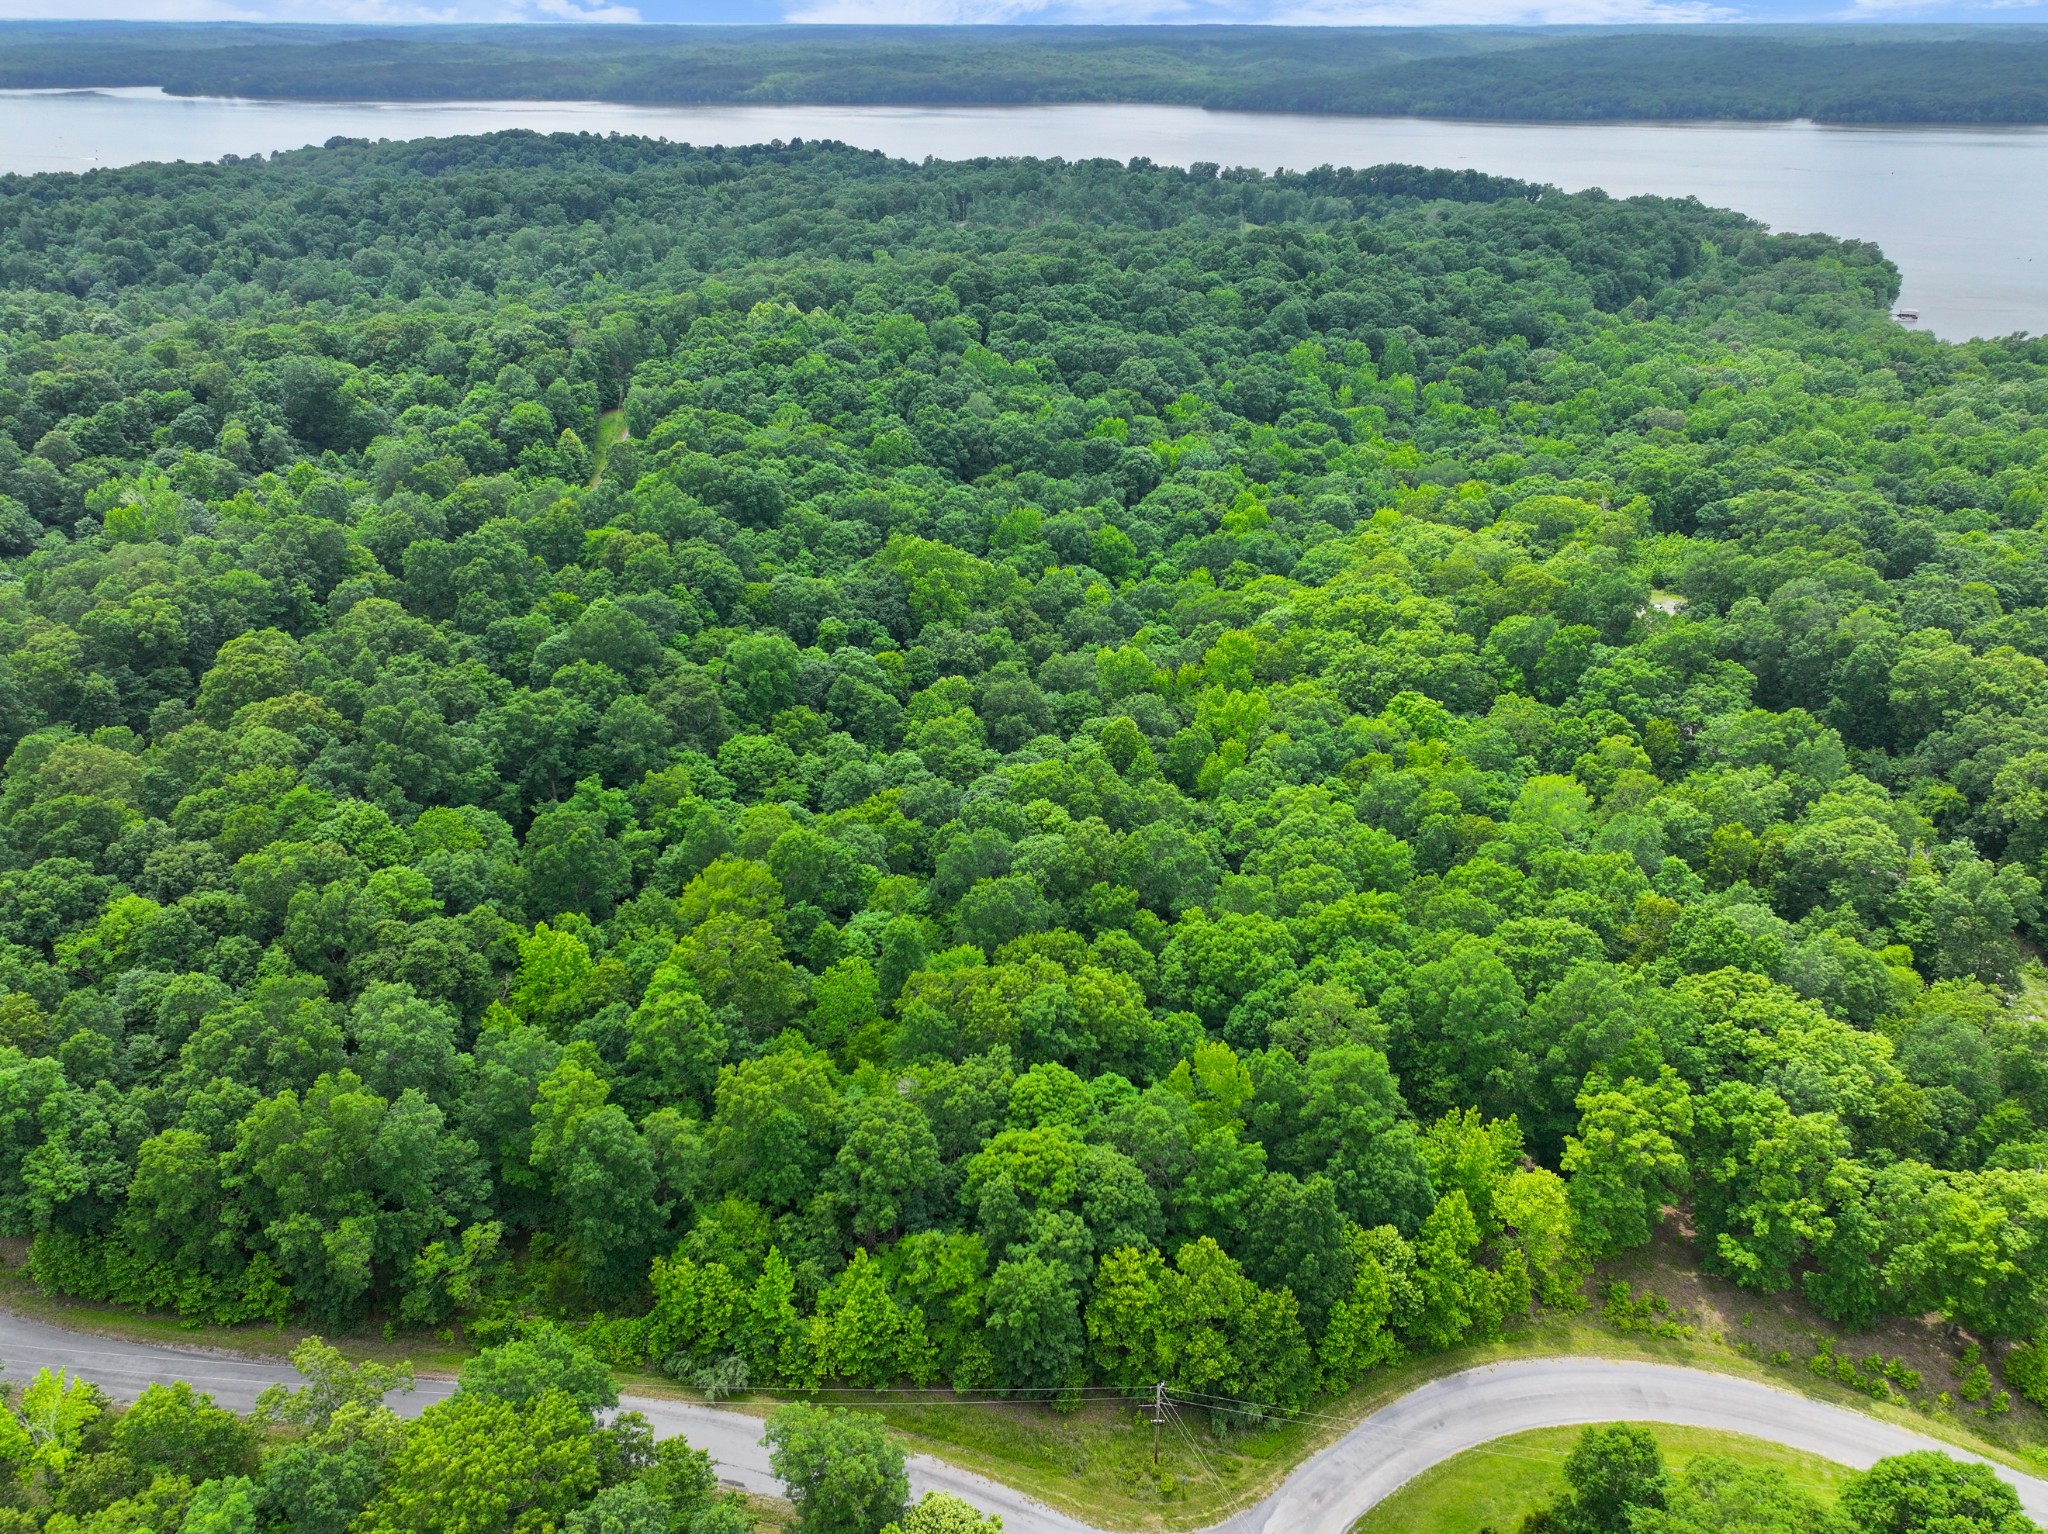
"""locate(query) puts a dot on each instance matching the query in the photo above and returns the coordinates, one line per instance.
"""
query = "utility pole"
(1158, 1416)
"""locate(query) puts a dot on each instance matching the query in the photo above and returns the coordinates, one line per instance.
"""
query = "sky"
(1299, 12)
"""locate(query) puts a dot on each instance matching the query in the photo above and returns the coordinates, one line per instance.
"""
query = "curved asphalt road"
(1325, 1495)
(733, 1439)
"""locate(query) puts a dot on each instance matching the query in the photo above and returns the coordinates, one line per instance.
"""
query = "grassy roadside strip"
(1493, 1486)
(1096, 1463)
(428, 1356)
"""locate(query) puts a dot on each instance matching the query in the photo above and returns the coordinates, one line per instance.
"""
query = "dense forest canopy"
(1010, 773)
(1859, 74)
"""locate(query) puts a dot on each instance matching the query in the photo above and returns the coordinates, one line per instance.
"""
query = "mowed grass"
(1095, 1463)
(1494, 1485)
(611, 427)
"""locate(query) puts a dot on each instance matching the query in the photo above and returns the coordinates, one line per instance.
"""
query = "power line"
(1163, 1403)
(1406, 1435)
(944, 1397)
(1173, 1415)
(888, 1395)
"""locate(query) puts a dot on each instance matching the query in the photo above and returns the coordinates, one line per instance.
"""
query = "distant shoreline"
(1848, 76)
(473, 102)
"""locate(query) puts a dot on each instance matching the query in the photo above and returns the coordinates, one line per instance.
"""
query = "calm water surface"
(1963, 211)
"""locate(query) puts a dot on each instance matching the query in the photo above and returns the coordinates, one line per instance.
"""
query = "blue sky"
(1334, 12)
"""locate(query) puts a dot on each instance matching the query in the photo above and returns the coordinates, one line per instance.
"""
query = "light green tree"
(940, 1512)
(56, 1409)
(860, 1333)
(331, 1383)
(480, 1464)
(1626, 1160)
(843, 1472)
(222, 1507)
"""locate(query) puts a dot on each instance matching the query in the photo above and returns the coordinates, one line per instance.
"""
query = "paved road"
(1447, 1416)
(1326, 1495)
(733, 1439)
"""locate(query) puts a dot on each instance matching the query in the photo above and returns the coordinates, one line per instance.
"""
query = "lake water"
(1963, 211)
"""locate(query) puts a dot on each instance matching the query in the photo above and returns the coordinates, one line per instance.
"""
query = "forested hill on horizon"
(1839, 74)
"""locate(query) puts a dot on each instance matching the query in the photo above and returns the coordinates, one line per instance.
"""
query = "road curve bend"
(1325, 1495)
(733, 1439)
(1335, 1487)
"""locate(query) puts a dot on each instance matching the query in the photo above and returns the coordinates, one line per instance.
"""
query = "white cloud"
(130, 10)
(941, 13)
(1523, 13)
(1863, 9)
(571, 10)
(1402, 13)
(390, 12)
